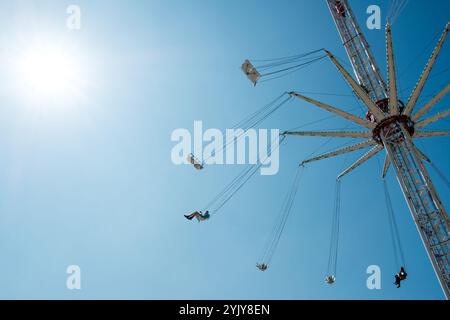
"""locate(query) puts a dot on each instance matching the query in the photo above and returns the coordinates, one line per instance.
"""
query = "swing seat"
(262, 266)
(330, 279)
(194, 161)
(402, 274)
(201, 218)
(250, 71)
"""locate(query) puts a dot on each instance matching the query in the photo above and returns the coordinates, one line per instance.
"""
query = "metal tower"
(392, 126)
(358, 50)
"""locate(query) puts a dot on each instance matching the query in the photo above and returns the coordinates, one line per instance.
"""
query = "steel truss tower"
(426, 208)
(392, 126)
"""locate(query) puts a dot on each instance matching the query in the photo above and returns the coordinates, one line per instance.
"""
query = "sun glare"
(48, 72)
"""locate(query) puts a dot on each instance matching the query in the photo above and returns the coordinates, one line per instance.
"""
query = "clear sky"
(87, 179)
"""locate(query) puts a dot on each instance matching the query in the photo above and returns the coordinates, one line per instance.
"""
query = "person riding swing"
(401, 276)
(198, 215)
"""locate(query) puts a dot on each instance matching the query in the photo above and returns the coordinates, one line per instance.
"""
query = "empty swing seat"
(263, 267)
(330, 279)
(250, 71)
(194, 161)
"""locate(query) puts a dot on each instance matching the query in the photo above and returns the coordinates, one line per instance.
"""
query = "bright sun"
(47, 72)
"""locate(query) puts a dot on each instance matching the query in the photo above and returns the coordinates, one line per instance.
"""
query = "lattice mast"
(361, 58)
(393, 127)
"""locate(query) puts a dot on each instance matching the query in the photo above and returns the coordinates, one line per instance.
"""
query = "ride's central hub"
(403, 120)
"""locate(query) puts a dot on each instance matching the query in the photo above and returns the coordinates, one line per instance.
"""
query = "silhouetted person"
(399, 277)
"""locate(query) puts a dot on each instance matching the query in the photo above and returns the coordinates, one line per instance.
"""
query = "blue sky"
(88, 180)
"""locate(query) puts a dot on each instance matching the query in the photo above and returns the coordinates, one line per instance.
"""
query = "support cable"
(279, 226)
(218, 202)
(393, 227)
(253, 121)
(334, 239)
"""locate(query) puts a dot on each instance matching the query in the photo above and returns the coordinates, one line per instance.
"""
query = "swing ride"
(195, 162)
(389, 125)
